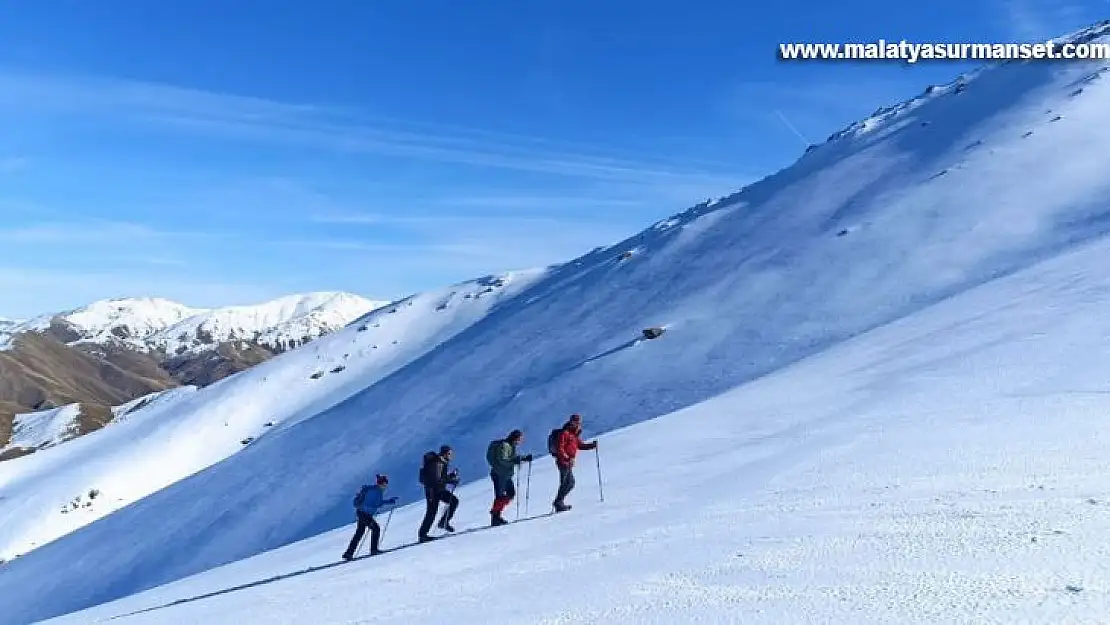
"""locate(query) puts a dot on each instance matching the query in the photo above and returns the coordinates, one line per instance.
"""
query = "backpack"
(553, 441)
(429, 458)
(361, 496)
(491, 452)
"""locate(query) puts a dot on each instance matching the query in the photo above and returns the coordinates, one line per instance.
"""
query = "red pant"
(503, 492)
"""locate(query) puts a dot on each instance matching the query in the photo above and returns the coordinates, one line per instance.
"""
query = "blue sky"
(220, 152)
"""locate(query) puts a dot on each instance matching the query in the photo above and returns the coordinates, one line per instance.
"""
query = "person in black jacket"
(436, 478)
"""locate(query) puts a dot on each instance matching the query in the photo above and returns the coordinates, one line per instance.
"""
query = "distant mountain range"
(115, 351)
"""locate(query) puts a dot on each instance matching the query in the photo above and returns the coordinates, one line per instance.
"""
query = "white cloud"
(27, 291)
(609, 195)
(13, 164)
(11, 208)
(336, 129)
(94, 232)
(1038, 20)
(532, 202)
(486, 243)
(820, 107)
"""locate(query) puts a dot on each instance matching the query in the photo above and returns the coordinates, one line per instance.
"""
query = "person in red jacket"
(570, 442)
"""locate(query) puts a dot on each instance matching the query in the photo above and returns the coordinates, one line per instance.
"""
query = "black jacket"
(436, 477)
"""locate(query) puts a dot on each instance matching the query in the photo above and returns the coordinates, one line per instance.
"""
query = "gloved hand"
(527, 458)
(391, 500)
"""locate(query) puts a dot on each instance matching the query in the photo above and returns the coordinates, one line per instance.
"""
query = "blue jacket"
(375, 498)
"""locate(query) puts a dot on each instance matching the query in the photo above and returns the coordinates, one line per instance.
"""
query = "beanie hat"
(444, 449)
(515, 435)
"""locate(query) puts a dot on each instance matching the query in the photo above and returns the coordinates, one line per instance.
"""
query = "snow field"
(949, 467)
(45, 427)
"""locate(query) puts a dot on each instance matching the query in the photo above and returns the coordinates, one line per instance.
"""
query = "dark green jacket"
(503, 459)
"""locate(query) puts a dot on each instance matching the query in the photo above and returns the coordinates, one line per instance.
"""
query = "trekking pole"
(387, 520)
(600, 489)
(517, 493)
(528, 488)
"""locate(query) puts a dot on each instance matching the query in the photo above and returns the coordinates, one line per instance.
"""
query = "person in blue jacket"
(367, 502)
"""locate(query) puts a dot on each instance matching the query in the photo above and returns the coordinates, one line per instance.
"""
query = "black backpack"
(361, 496)
(553, 441)
(429, 459)
(491, 452)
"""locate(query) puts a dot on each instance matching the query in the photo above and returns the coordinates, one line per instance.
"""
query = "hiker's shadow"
(472, 530)
(322, 567)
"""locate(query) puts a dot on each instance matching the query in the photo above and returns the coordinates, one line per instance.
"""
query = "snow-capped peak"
(281, 324)
(157, 323)
(126, 319)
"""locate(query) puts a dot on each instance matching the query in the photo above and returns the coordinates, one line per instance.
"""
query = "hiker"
(503, 458)
(564, 445)
(367, 502)
(435, 478)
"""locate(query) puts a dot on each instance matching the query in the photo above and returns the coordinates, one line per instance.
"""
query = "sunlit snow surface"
(949, 468)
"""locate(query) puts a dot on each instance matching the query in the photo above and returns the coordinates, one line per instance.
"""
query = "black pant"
(566, 483)
(364, 521)
(503, 487)
(433, 499)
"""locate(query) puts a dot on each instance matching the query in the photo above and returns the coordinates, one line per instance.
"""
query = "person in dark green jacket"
(503, 457)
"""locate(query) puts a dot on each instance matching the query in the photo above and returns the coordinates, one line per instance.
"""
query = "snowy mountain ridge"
(129, 319)
(176, 329)
(281, 324)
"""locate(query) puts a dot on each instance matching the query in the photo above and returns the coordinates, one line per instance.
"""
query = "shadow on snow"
(315, 569)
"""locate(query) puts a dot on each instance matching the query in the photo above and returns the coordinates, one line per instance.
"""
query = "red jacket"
(569, 444)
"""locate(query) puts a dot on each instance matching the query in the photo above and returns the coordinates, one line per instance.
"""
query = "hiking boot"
(560, 506)
(495, 520)
(425, 539)
(376, 552)
(444, 525)
(347, 557)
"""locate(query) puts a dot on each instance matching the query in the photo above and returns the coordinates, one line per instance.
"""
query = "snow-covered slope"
(46, 428)
(155, 323)
(951, 467)
(184, 430)
(8, 327)
(121, 413)
(966, 185)
(35, 430)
